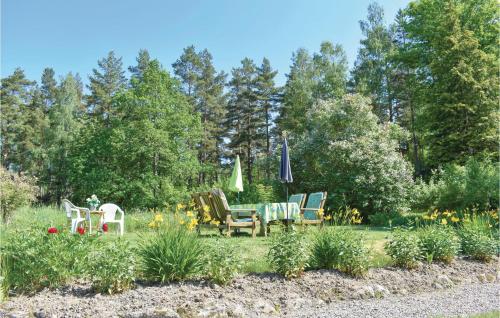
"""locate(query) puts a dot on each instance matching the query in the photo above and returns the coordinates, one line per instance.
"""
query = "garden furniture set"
(77, 216)
(260, 215)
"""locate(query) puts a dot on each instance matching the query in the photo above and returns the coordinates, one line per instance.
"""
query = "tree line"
(147, 139)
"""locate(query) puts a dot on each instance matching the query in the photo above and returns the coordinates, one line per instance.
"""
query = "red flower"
(81, 230)
(52, 230)
(105, 227)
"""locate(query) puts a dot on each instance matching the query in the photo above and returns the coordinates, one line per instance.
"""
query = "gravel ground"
(462, 288)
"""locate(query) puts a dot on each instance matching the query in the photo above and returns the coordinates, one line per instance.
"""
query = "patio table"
(269, 212)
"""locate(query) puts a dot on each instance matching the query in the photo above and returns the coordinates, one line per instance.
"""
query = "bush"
(393, 219)
(35, 259)
(477, 241)
(472, 186)
(356, 157)
(172, 254)
(438, 243)
(17, 191)
(288, 253)
(340, 249)
(404, 249)
(223, 262)
(112, 268)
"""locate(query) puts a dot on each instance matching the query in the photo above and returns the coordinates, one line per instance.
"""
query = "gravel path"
(460, 289)
(461, 301)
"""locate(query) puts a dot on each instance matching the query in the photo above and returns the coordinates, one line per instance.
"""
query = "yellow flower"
(214, 222)
(180, 206)
(454, 219)
(355, 211)
(181, 222)
(206, 208)
(158, 217)
(190, 214)
(444, 222)
(152, 224)
(426, 217)
(320, 212)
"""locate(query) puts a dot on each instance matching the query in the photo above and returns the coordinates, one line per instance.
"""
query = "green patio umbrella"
(236, 181)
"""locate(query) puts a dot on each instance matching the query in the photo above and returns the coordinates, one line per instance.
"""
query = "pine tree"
(373, 72)
(247, 120)
(204, 87)
(49, 87)
(330, 71)
(268, 98)
(143, 60)
(104, 84)
(15, 96)
(63, 128)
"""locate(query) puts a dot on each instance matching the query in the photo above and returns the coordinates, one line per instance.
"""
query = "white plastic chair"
(70, 208)
(109, 216)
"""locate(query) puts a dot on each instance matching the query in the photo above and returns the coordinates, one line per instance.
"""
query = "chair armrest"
(122, 213)
(309, 209)
(243, 210)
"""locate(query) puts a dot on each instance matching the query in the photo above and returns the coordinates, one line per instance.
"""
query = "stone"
(437, 285)
(380, 291)
(490, 278)
(482, 278)
(444, 281)
(264, 307)
(365, 292)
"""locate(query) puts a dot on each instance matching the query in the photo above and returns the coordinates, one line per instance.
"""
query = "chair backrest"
(299, 198)
(220, 205)
(215, 214)
(109, 211)
(67, 206)
(314, 201)
(199, 203)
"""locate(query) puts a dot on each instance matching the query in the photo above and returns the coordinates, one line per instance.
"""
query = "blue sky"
(71, 35)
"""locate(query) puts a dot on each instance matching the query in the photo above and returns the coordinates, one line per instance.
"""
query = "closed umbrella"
(285, 170)
(236, 181)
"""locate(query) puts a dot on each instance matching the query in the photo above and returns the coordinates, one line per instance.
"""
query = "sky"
(71, 35)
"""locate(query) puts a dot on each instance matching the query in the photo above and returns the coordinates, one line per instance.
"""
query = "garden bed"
(464, 287)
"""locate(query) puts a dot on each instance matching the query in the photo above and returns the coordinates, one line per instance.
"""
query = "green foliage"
(171, 254)
(35, 259)
(474, 185)
(439, 243)
(223, 262)
(342, 249)
(354, 158)
(393, 219)
(288, 254)
(111, 268)
(17, 191)
(477, 240)
(404, 248)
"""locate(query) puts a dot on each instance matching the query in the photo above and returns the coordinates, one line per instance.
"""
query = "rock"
(264, 307)
(365, 292)
(216, 310)
(166, 312)
(444, 281)
(482, 278)
(490, 278)
(380, 291)
(437, 285)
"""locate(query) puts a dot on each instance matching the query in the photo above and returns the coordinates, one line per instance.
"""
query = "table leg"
(263, 229)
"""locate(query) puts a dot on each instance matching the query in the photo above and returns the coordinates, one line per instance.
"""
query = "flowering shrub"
(112, 268)
(458, 217)
(34, 259)
(223, 262)
(344, 216)
(477, 239)
(173, 253)
(16, 191)
(439, 243)
(404, 249)
(341, 249)
(288, 254)
(93, 201)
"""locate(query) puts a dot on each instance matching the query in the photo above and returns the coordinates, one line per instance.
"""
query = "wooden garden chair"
(315, 203)
(220, 211)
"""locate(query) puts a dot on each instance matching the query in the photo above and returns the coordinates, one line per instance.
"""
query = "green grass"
(492, 314)
(253, 252)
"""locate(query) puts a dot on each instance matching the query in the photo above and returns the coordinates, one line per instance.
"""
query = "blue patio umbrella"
(285, 170)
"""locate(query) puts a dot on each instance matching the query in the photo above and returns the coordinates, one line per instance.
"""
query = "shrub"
(344, 216)
(340, 249)
(404, 249)
(356, 157)
(288, 253)
(223, 262)
(474, 185)
(171, 254)
(439, 243)
(477, 241)
(111, 268)
(35, 259)
(17, 191)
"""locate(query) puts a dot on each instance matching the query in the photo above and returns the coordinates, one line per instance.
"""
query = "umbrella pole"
(238, 197)
(287, 205)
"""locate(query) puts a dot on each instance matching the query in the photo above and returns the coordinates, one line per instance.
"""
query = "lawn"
(253, 251)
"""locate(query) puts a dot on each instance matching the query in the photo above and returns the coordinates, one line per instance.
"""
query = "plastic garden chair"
(109, 215)
(70, 208)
